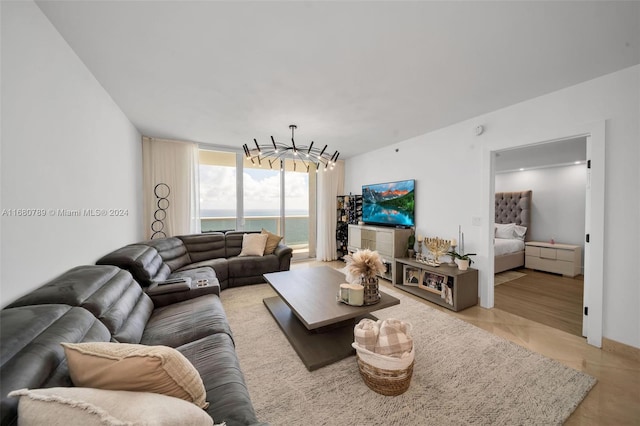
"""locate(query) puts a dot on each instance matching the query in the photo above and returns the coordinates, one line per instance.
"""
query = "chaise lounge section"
(103, 303)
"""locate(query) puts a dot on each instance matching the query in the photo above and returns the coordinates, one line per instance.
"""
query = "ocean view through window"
(261, 194)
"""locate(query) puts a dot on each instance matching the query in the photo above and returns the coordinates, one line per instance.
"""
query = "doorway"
(594, 217)
(556, 173)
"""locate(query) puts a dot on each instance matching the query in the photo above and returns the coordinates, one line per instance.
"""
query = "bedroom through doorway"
(556, 175)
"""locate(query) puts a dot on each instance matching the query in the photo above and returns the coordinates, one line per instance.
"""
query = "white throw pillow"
(520, 231)
(253, 244)
(505, 230)
(88, 407)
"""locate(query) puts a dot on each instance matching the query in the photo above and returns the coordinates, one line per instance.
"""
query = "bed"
(512, 226)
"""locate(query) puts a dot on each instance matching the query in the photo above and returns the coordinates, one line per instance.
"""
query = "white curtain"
(175, 164)
(330, 185)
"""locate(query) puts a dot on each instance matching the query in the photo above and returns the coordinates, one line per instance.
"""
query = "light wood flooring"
(549, 299)
(614, 400)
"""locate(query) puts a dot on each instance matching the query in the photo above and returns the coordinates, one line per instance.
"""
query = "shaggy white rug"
(462, 376)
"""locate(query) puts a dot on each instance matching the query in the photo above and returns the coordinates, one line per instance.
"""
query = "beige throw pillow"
(99, 407)
(123, 366)
(253, 244)
(272, 241)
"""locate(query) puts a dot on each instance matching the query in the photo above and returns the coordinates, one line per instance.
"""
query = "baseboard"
(620, 348)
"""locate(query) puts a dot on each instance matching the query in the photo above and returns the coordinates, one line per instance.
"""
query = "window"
(259, 201)
(218, 198)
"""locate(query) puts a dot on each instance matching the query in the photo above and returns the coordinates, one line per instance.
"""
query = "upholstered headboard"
(514, 207)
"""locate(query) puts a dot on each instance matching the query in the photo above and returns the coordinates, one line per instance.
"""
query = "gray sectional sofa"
(113, 303)
(195, 256)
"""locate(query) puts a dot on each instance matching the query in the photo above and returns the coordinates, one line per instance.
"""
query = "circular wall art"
(161, 191)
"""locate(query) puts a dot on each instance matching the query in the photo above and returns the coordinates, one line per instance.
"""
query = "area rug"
(506, 276)
(462, 376)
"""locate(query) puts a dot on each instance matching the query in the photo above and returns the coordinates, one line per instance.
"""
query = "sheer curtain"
(175, 164)
(330, 185)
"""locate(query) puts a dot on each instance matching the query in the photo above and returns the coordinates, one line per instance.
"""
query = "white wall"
(558, 209)
(65, 145)
(450, 167)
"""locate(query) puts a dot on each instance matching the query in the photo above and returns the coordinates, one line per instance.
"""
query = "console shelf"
(390, 243)
(427, 282)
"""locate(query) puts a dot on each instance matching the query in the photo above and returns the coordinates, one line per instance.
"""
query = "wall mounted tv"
(389, 204)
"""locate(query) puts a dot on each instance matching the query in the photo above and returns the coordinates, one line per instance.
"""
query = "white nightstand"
(562, 259)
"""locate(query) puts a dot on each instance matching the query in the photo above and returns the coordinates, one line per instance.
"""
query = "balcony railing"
(296, 227)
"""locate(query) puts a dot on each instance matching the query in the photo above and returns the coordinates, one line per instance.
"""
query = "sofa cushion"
(210, 245)
(215, 359)
(72, 287)
(30, 351)
(172, 250)
(183, 322)
(253, 244)
(138, 368)
(74, 406)
(233, 242)
(251, 266)
(108, 292)
(144, 263)
(272, 241)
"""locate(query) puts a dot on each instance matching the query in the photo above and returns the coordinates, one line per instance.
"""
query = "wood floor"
(549, 299)
(614, 400)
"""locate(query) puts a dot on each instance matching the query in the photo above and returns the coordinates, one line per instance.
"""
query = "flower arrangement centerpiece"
(363, 268)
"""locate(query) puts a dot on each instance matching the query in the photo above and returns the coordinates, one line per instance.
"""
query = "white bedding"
(505, 246)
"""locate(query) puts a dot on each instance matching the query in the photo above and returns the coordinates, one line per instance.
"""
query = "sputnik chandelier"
(276, 152)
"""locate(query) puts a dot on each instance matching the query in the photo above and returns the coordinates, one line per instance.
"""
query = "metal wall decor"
(161, 191)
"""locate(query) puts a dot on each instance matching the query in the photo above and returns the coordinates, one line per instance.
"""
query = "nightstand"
(562, 259)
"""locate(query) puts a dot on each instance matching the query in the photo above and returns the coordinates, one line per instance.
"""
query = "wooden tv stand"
(463, 284)
(389, 242)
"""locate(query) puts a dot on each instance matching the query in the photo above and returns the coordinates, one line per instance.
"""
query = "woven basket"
(385, 382)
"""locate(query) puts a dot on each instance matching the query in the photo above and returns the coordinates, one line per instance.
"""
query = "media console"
(390, 243)
(427, 282)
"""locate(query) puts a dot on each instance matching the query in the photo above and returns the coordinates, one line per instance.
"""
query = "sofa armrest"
(165, 299)
(284, 254)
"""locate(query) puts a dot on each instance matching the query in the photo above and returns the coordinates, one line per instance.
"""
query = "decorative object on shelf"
(437, 248)
(411, 242)
(454, 244)
(463, 260)
(161, 191)
(419, 248)
(276, 152)
(363, 266)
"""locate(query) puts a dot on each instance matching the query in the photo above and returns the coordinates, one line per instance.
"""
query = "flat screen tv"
(389, 204)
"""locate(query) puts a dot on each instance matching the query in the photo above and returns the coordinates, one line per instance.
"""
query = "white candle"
(420, 238)
(356, 295)
(454, 242)
(344, 292)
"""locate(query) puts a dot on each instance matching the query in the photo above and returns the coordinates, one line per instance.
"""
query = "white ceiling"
(353, 75)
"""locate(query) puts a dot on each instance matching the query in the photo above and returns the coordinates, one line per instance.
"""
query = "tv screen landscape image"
(390, 204)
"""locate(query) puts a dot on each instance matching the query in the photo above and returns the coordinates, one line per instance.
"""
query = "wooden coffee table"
(319, 328)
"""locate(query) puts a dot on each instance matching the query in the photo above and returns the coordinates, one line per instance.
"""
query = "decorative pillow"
(519, 231)
(123, 366)
(253, 244)
(99, 407)
(505, 230)
(272, 241)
